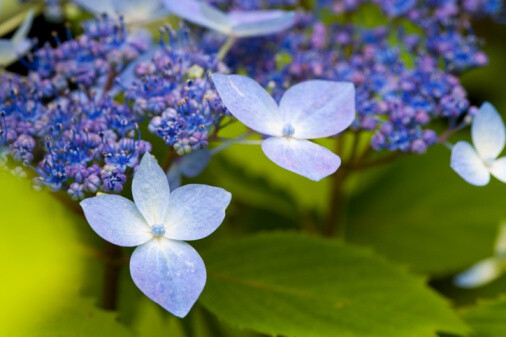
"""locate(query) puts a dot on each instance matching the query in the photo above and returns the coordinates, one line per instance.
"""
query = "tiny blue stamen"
(288, 130)
(158, 230)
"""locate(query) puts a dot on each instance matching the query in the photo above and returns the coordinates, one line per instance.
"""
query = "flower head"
(18, 45)
(475, 164)
(166, 269)
(235, 23)
(308, 110)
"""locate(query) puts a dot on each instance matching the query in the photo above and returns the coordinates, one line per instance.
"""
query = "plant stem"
(359, 165)
(168, 159)
(111, 256)
(225, 48)
(330, 226)
(111, 276)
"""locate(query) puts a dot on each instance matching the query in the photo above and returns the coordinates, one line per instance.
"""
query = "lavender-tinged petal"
(318, 109)
(249, 103)
(19, 45)
(194, 163)
(195, 211)
(498, 169)
(22, 32)
(7, 52)
(140, 11)
(466, 162)
(117, 220)
(302, 157)
(199, 13)
(150, 190)
(480, 274)
(258, 23)
(174, 176)
(488, 132)
(171, 273)
(96, 6)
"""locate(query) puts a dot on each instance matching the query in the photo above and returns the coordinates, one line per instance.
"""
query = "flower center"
(158, 230)
(288, 130)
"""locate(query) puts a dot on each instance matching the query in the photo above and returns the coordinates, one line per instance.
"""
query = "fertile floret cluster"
(60, 119)
(173, 88)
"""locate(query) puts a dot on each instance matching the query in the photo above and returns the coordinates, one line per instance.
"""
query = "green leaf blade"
(300, 286)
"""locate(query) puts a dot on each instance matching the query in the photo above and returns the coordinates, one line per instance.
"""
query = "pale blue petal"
(117, 220)
(171, 273)
(194, 163)
(318, 109)
(174, 176)
(150, 189)
(498, 169)
(140, 11)
(195, 211)
(7, 52)
(488, 132)
(22, 32)
(480, 274)
(259, 23)
(302, 157)
(12, 49)
(199, 13)
(466, 162)
(96, 6)
(249, 103)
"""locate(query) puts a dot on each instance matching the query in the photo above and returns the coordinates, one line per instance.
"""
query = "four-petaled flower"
(308, 110)
(475, 164)
(235, 23)
(12, 49)
(164, 267)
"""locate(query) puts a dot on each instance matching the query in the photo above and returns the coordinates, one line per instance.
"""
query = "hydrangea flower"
(134, 12)
(308, 110)
(488, 269)
(164, 267)
(234, 23)
(18, 45)
(475, 164)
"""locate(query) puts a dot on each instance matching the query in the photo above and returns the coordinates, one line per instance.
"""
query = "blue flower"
(236, 23)
(475, 164)
(166, 269)
(18, 45)
(308, 110)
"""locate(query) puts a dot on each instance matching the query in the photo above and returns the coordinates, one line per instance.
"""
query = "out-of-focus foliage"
(45, 267)
(487, 318)
(420, 213)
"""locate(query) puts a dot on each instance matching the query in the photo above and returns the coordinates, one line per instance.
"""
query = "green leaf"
(421, 213)
(81, 318)
(294, 285)
(40, 255)
(44, 253)
(487, 318)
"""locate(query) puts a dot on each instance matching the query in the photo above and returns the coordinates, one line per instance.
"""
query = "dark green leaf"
(295, 285)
